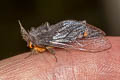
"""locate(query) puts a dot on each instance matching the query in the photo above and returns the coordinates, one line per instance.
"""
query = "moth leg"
(51, 50)
(67, 50)
(31, 53)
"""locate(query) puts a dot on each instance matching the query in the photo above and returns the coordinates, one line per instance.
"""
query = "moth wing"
(92, 45)
(68, 31)
(93, 30)
(95, 42)
(88, 45)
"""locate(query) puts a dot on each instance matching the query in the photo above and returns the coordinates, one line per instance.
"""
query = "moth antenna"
(21, 27)
(20, 24)
(23, 32)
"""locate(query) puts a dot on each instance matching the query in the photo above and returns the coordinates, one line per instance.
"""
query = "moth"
(66, 34)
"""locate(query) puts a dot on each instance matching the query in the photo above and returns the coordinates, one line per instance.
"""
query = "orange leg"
(35, 49)
(39, 49)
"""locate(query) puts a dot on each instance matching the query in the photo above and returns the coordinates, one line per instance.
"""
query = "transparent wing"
(90, 45)
(95, 41)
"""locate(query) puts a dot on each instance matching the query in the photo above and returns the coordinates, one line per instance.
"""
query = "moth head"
(25, 35)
